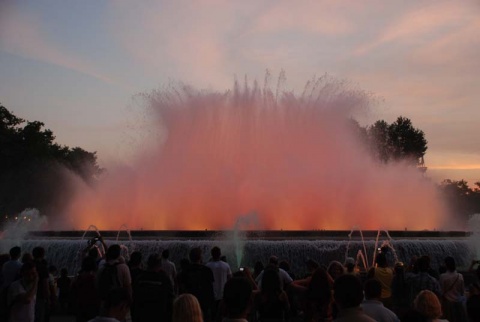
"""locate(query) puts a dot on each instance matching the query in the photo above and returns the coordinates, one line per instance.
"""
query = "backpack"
(108, 280)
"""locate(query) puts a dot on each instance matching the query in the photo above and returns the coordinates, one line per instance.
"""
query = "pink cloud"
(418, 25)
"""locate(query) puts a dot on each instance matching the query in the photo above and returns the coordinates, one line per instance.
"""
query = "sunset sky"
(75, 65)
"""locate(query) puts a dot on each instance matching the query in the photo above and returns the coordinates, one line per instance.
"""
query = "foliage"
(463, 201)
(34, 170)
(398, 141)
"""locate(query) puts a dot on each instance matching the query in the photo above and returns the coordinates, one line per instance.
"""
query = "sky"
(76, 65)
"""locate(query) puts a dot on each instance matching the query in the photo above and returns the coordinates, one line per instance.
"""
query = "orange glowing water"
(292, 159)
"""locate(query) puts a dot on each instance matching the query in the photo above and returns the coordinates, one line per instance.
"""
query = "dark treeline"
(36, 172)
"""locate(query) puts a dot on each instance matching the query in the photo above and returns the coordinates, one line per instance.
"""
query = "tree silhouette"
(34, 170)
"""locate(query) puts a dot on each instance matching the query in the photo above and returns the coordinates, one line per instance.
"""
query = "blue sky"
(76, 64)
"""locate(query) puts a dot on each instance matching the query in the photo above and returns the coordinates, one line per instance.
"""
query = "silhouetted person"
(85, 297)
(198, 280)
(221, 273)
(237, 298)
(372, 306)
(169, 267)
(348, 295)
(453, 292)
(422, 280)
(22, 295)
(64, 284)
(11, 269)
(43, 290)
(115, 307)
(152, 293)
(135, 265)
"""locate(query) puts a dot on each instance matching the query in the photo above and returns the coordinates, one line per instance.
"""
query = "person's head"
(348, 291)
(216, 253)
(38, 253)
(187, 308)
(63, 272)
(381, 260)
(373, 289)
(335, 269)
(237, 295)
(116, 303)
(135, 259)
(166, 253)
(473, 308)
(423, 264)
(28, 272)
(428, 305)
(15, 253)
(195, 255)
(113, 252)
(154, 262)
(450, 264)
(273, 260)
(319, 289)
(349, 264)
(271, 280)
(89, 265)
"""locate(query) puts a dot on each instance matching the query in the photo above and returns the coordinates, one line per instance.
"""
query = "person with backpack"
(114, 273)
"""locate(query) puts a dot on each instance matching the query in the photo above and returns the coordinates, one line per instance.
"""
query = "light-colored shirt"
(452, 285)
(20, 311)
(285, 279)
(377, 311)
(169, 268)
(10, 272)
(221, 272)
(354, 314)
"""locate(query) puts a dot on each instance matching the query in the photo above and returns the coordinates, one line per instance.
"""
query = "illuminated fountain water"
(294, 159)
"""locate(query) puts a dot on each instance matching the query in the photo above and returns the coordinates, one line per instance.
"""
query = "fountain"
(295, 160)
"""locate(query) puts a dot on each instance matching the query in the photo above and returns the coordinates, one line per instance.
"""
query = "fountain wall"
(64, 253)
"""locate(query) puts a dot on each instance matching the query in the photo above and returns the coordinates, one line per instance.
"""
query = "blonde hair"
(428, 304)
(187, 309)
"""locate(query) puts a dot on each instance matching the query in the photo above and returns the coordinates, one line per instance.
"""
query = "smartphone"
(241, 269)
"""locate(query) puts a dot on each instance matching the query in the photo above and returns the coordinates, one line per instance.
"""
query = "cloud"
(22, 34)
(417, 25)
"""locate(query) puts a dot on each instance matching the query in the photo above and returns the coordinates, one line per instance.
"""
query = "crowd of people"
(109, 288)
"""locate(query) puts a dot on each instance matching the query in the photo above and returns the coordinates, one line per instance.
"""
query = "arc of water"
(124, 227)
(356, 228)
(125, 249)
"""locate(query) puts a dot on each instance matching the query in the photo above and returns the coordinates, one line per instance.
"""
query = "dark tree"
(34, 170)
(462, 200)
(407, 142)
(399, 141)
